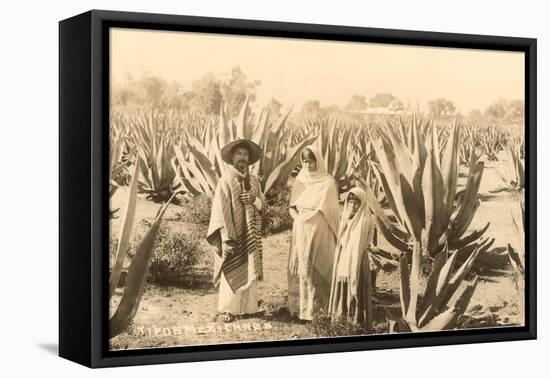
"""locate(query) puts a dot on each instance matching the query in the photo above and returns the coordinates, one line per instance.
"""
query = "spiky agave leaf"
(125, 231)
(116, 167)
(415, 285)
(243, 130)
(516, 250)
(275, 151)
(199, 164)
(449, 173)
(435, 197)
(404, 289)
(447, 319)
(383, 260)
(396, 187)
(515, 260)
(430, 292)
(391, 231)
(463, 242)
(467, 206)
(465, 268)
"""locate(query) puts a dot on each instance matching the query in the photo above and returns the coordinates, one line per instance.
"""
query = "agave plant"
(138, 269)
(437, 308)
(514, 169)
(156, 151)
(492, 141)
(420, 184)
(149, 138)
(469, 150)
(421, 190)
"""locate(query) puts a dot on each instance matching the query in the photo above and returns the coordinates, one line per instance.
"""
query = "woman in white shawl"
(314, 208)
(350, 296)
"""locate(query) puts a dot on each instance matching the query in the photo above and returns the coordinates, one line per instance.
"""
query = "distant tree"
(207, 94)
(497, 110)
(311, 109)
(122, 95)
(506, 110)
(330, 109)
(381, 100)
(237, 88)
(515, 111)
(357, 103)
(184, 101)
(475, 115)
(154, 91)
(126, 92)
(441, 106)
(396, 106)
(179, 99)
(173, 95)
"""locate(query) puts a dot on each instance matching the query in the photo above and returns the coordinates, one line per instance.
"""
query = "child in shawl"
(351, 287)
(314, 208)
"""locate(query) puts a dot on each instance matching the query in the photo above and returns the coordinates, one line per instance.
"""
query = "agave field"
(443, 194)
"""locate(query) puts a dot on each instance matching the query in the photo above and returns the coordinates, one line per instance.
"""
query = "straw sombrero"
(254, 150)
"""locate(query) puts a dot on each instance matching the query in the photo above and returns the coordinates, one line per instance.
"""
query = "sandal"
(227, 317)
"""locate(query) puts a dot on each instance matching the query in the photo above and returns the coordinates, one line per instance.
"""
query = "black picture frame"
(83, 196)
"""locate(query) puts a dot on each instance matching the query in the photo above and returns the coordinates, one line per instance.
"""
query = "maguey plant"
(421, 190)
(513, 173)
(492, 140)
(151, 135)
(436, 307)
(155, 135)
(468, 150)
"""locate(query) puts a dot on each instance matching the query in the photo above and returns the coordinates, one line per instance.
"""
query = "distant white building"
(395, 108)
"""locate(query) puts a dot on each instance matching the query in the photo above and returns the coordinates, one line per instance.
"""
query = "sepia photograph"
(270, 189)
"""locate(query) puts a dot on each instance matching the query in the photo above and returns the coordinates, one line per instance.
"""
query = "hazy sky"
(294, 71)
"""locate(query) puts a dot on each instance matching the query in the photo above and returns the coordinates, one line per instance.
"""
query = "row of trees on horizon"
(206, 93)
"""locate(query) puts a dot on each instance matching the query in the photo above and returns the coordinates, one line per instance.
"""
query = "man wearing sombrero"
(235, 231)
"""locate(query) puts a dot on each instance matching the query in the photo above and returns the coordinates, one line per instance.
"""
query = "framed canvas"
(236, 188)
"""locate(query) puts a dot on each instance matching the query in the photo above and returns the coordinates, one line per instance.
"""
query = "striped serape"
(241, 224)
